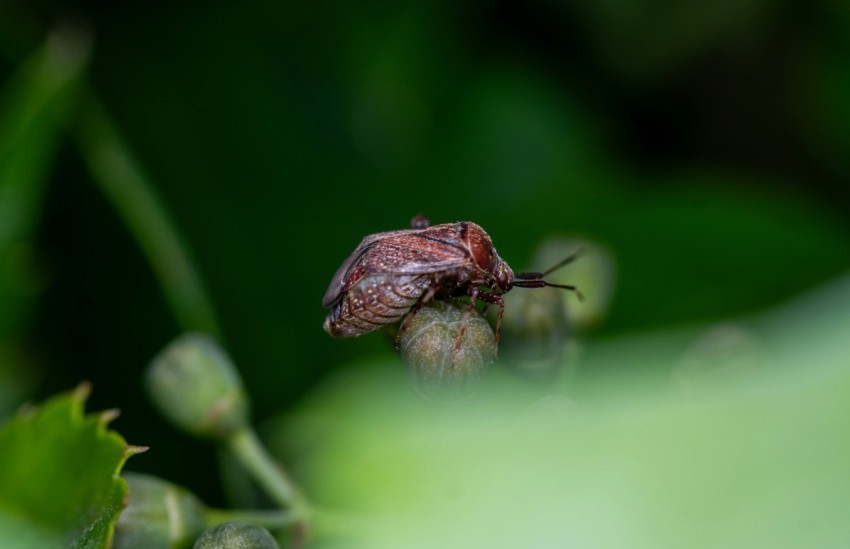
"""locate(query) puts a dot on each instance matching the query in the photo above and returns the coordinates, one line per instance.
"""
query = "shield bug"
(394, 274)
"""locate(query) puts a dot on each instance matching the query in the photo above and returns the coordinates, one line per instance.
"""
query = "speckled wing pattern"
(411, 251)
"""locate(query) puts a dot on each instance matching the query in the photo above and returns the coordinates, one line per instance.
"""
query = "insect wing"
(346, 271)
(409, 251)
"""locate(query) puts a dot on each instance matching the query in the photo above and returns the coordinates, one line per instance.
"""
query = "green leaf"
(59, 484)
(745, 445)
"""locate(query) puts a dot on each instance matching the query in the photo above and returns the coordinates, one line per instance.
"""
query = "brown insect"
(396, 273)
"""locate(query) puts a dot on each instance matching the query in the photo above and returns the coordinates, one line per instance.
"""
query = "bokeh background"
(704, 144)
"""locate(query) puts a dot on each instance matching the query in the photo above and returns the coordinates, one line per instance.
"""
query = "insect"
(396, 273)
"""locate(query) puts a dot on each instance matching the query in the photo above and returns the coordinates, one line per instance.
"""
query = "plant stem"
(131, 192)
(267, 472)
(271, 520)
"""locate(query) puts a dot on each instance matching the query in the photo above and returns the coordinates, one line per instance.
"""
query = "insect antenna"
(535, 280)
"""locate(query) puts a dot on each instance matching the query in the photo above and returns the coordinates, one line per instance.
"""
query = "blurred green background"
(703, 143)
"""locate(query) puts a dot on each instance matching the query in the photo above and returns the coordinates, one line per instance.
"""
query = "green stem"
(131, 192)
(271, 520)
(267, 472)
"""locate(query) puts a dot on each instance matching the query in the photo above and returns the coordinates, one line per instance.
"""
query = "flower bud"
(428, 346)
(236, 535)
(159, 515)
(539, 325)
(196, 386)
(593, 272)
(535, 332)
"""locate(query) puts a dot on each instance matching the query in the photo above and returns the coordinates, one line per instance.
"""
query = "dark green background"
(703, 142)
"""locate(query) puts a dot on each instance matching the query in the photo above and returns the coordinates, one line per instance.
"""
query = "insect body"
(395, 273)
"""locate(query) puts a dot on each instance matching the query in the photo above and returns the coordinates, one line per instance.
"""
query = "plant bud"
(536, 332)
(539, 327)
(428, 346)
(196, 386)
(160, 515)
(593, 272)
(236, 535)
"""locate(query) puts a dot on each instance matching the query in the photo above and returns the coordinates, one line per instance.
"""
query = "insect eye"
(503, 278)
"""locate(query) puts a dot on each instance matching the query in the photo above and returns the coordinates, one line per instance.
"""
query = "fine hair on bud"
(236, 535)
(442, 365)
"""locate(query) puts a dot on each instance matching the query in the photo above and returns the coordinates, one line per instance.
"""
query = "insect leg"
(473, 297)
(487, 297)
(426, 297)
(419, 221)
